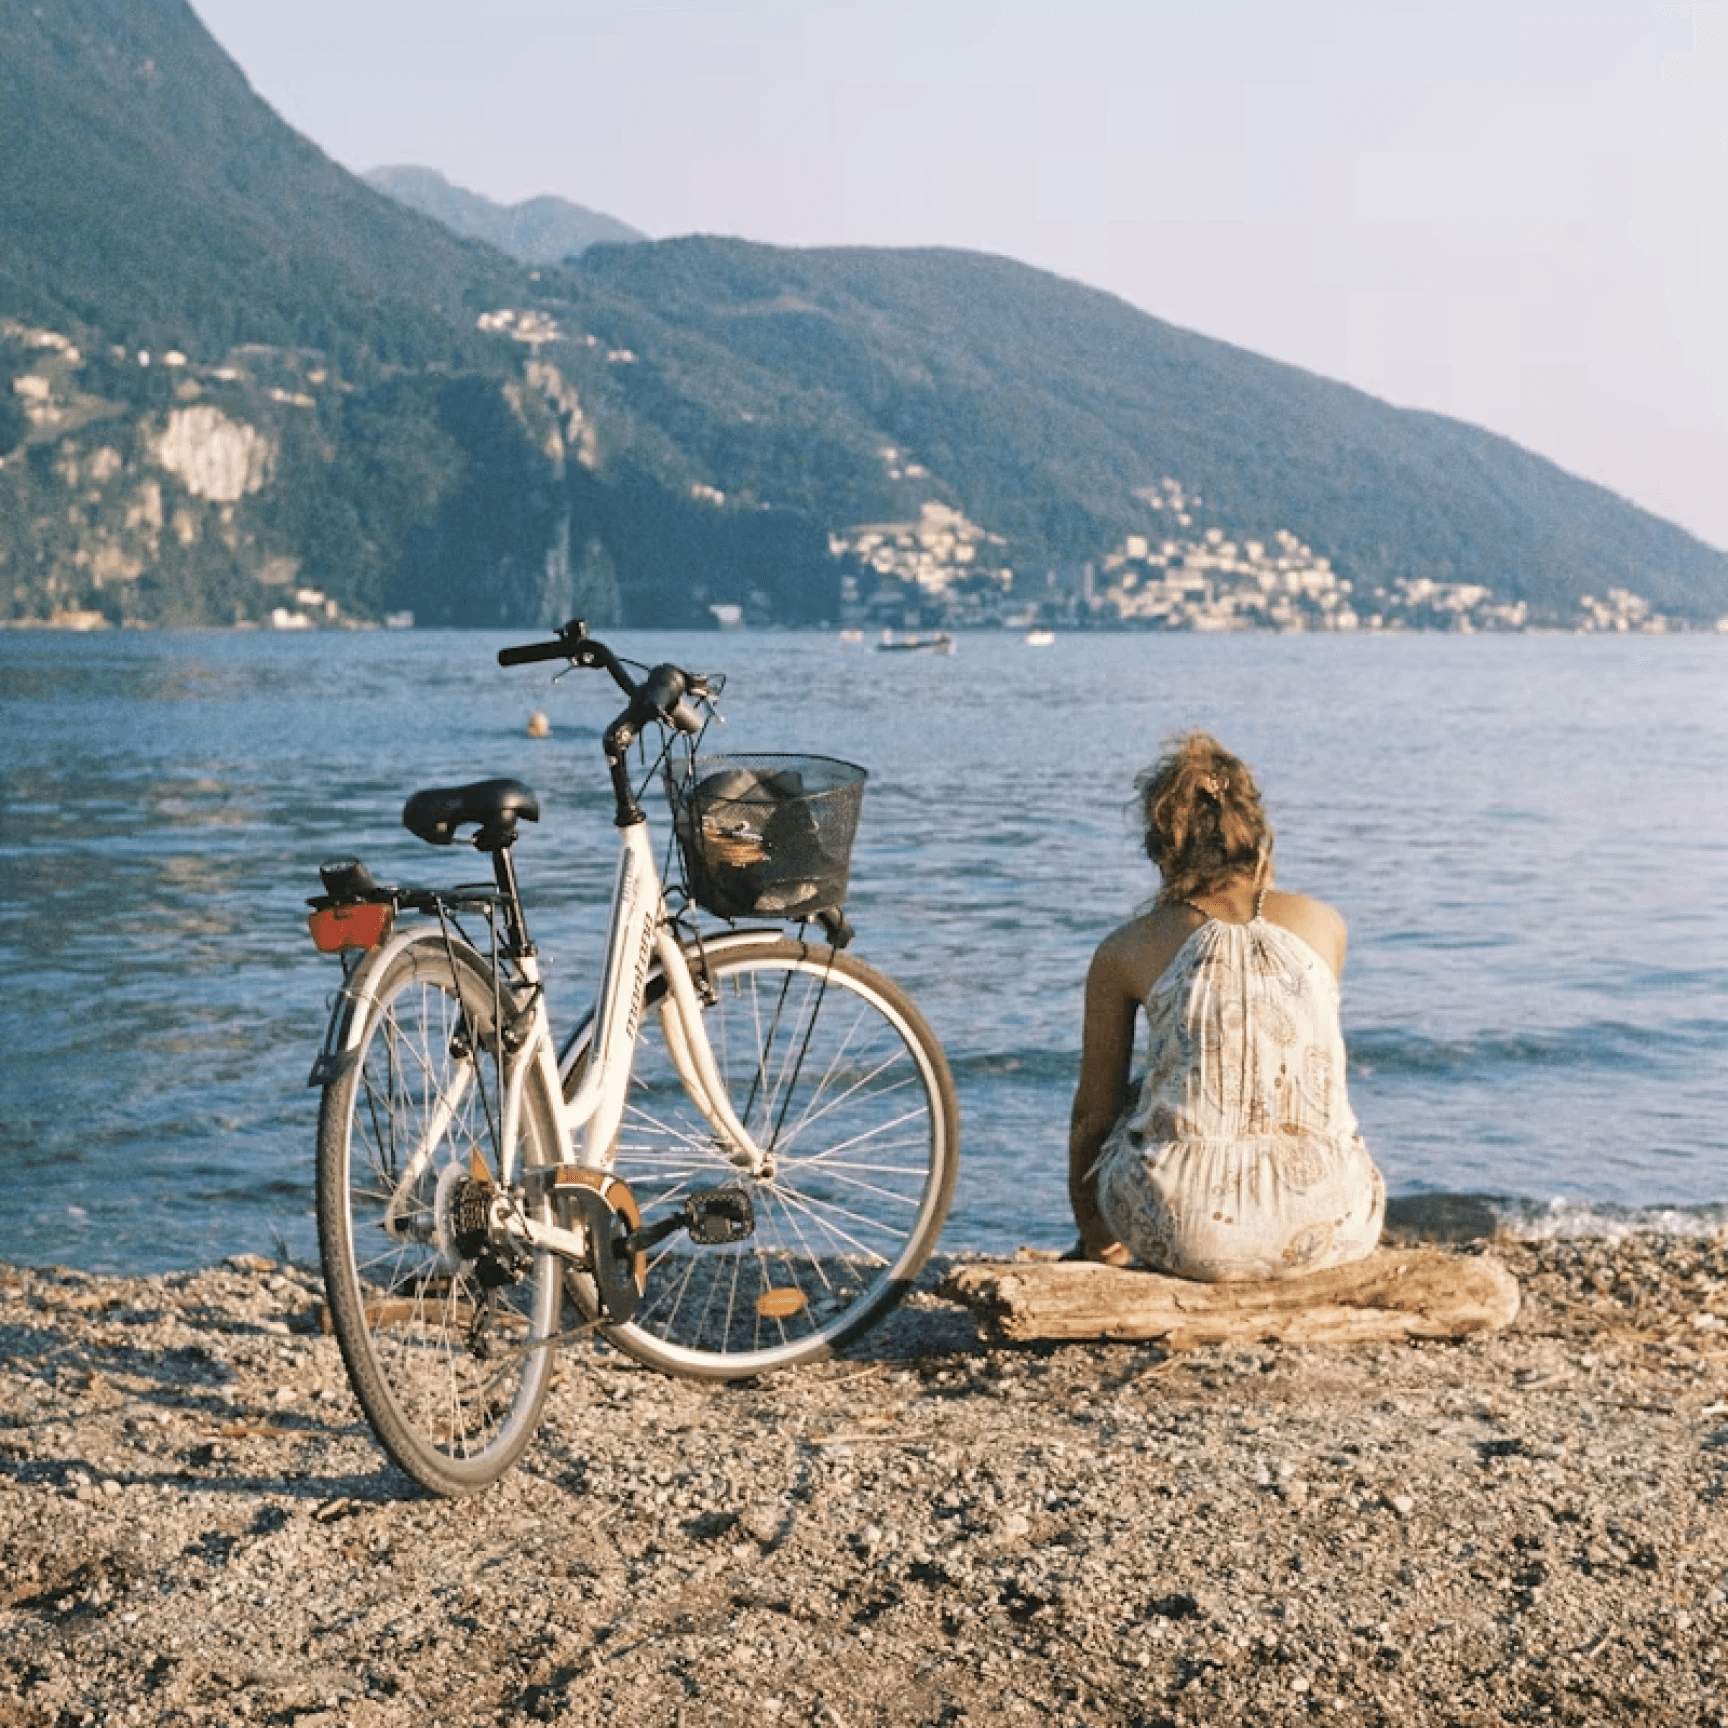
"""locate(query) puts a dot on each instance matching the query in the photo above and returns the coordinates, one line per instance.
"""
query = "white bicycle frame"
(640, 935)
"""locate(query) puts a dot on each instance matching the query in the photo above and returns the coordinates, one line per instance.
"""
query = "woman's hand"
(1105, 1253)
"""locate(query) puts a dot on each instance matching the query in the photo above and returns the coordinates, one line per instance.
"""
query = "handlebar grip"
(661, 694)
(530, 651)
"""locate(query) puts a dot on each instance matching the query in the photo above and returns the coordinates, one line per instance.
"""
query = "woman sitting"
(1237, 1155)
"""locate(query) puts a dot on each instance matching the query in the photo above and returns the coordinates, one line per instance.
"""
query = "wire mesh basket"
(767, 836)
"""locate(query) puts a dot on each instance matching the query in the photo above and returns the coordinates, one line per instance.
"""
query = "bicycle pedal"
(719, 1215)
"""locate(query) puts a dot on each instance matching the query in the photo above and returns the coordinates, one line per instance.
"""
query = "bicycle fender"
(358, 996)
(731, 941)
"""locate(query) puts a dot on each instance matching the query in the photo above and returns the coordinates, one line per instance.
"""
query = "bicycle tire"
(840, 1079)
(448, 1356)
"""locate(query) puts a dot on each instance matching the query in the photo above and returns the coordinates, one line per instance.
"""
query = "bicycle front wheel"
(845, 1088)
(445, 1335)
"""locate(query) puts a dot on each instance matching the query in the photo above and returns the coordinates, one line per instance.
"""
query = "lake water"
(1528, 834)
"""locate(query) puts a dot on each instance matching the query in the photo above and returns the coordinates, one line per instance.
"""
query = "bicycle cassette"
(608, 1214)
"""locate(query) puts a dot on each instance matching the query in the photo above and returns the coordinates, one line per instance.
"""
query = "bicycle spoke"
(444, 1364)
(841, 1086)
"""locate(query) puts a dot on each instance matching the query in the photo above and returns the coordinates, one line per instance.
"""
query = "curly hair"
(1204, 826)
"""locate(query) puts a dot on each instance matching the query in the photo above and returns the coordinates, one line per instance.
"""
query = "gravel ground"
(195, 1526)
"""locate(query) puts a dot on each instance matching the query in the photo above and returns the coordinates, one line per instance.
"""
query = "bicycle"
(739, 1158)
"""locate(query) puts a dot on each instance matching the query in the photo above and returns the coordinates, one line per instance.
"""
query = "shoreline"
(1446, 1218)
(196, 1528)
(90, 623)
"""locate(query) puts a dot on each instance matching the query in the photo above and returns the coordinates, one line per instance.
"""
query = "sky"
(1513, 212)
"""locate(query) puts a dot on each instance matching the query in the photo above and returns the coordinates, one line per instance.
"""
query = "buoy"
(538, 725)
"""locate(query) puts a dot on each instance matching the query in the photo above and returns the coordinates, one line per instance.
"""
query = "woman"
(1237, 1155)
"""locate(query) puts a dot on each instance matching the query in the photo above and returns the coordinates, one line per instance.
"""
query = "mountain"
(542, 230)
(1052, 412)
(233, 371)
(145, 189)
(239, 384)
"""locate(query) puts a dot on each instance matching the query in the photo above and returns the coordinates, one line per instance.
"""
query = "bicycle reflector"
(360, 926)
(781, 1303)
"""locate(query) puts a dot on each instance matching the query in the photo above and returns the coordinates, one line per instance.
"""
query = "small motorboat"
(935, 641)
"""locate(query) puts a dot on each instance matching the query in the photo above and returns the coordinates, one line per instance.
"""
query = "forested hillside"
(237, 384)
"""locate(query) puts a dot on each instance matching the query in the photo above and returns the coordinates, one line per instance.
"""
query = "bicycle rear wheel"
(444, 1336)
(839, 1079)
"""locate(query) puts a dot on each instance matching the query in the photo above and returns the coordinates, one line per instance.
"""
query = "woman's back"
(1239, 1157)
(1236, 1154)
(1243, 1039)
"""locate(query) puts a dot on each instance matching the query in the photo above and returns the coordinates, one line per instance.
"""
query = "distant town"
(937, 575)
(943, 572)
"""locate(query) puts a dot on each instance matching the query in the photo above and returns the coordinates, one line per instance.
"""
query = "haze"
(1509, 211)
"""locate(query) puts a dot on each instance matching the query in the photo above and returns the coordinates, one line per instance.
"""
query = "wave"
(1558, 1219)
(1037, 1065)
(1393, 1050)
(1602, 1044)
(1464, 1216)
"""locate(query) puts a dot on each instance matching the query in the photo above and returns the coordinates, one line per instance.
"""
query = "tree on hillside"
(14, 422)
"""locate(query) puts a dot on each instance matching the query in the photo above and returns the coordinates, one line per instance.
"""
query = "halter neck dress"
(1240, 1157)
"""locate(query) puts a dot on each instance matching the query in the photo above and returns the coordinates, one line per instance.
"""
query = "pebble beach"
(1528, 1526)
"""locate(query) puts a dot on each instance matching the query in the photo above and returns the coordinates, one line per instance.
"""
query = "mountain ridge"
(145, 188)
(239, 384)
(1270, 446)
(545, 229)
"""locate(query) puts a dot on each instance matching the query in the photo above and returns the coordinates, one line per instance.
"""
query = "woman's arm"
(1106, 1055)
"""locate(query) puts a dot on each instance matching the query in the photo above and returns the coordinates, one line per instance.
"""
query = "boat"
(937, 641)
(1040, 638)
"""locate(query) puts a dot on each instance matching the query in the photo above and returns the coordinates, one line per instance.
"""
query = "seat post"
(515, 919)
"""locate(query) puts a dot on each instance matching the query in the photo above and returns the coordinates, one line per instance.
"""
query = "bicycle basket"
(767, 836)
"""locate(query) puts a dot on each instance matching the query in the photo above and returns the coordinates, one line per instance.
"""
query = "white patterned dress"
(1240, 1158)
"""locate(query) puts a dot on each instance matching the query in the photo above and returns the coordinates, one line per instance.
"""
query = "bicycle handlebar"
(663, 695)
(533, 651)
(574, 644)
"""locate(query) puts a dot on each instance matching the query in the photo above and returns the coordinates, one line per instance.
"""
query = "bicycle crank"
(602, 1206)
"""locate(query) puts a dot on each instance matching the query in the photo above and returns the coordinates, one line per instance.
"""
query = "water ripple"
(1527, 835)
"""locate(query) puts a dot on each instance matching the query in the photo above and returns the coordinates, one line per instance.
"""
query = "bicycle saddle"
(495, 805)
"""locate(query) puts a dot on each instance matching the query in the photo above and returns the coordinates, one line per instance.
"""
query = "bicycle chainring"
(603, 1208)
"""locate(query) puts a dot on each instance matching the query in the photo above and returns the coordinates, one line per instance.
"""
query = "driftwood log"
(1394, 1293)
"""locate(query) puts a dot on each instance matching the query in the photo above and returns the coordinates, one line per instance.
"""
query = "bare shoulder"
(1134, 955)
(1321, 926)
